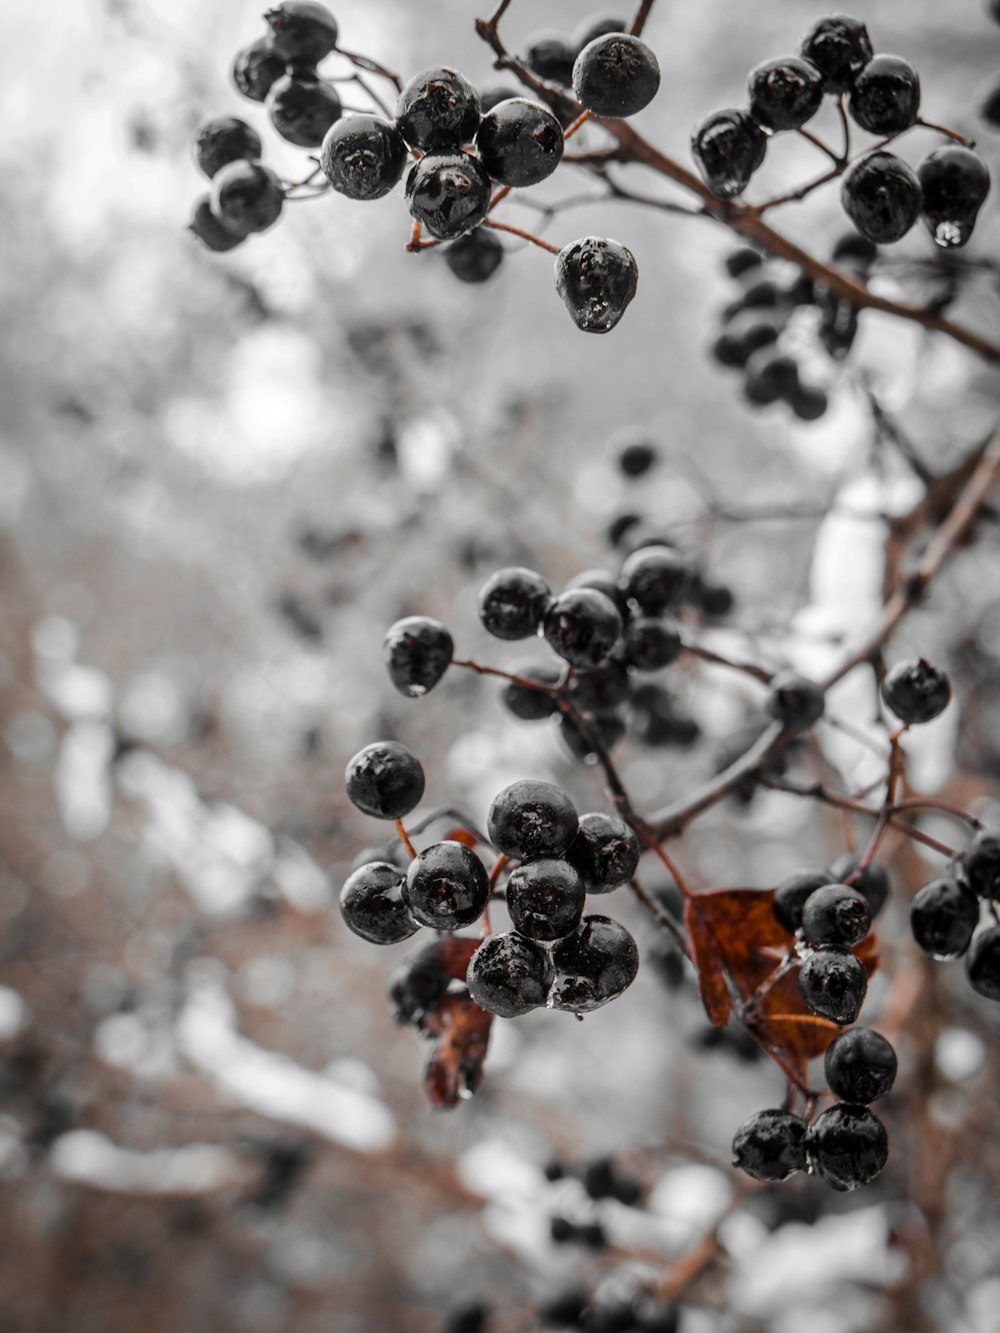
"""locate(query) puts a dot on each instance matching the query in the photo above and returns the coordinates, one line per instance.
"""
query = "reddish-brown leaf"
(460, 1033)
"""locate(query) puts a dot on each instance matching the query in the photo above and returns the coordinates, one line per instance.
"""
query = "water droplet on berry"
(948, 234)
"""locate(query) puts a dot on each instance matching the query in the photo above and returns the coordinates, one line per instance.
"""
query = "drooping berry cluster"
(880, 193)
(945, 914)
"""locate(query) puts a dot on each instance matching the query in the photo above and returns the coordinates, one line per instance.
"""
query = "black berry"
(860, 1066)
(596, 278)
(916, 691)
(212, 233)
(551, 57)
(603, 689)
(794, 701)
(636, 457)
(476, 256)
(833, 984)
(417, 652)
(512, 603)
(847, 1146)
(520, 142)
(583, 626)
(247, 196)
(784, 93)
(446, 886)
(302, 32)
(531, 818)
(545, 899)
(302, 107)
(728, 147)
(651, 642)
(449, 193)
(605, 852)
(656, 578)
(943, 915)
(438, 109)
(593, 965)
(840, 48)
(385, 780)
(371, 903)
(528, 704)
(882, 197)
(769, 1145)
(836, 914)
(223, 140)
(872, 882)
(616, 75)
(955, 182)
(255, 69)
(509, 975)
(982, 962)
(363, 157)
(592, 28)
(792, 894)
(885, 98)
(602, 581)
(981, 865)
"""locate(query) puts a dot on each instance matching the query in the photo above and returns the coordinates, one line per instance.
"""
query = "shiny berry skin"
(836, 914)
(302, 108)
(223, 140)
(520, 142)
(363, 157)
(955, 182)
(551, 57)
(656, 578)
(794, 701)
(784, 93)
(438, 109)
(860, 1066)
(302, 32)
(417, 652)
(371, 903)
(532, 819)
(882, 197)
(247, 196)
(210, 231)
(886, 96)
(593, 965)
(847, 1146)
(616, 75)
(449, 193)
(840, 48)
(582, 625)
(605, 852)
(512, 603)
(769, 1145)
(728, 147)
(528, 704)
(509, 975)
(944, 914)
(792, 894)
(597, 279)
(982, 963)
(833, 984)
(446, 886)
(981, 865)
(255, 69)
(545, 899)
(385, 780)
(476, 256)
(916, 691)
(651, 643)
(872, 882)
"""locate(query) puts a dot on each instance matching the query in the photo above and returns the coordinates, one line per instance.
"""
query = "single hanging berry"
(943, 916)
(833, 984)
(616, 75)
(840, 48)
(769, 1145)
(881, 195)
(512, 603)
(916, 691)
(446, 886)
(417, 652)
(302, 32)
(363, 157)
(223, 140)
(885, 98)
(847, 1146)
(784, 93)
(520, 142)
(385, 780)
(438, 110)
(476, 256)
(597, 279)
(955, 182)
(302, 107)
(247, 196)
(860, 1066)
(728, 147)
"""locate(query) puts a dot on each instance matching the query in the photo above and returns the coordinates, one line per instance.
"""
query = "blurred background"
(221, 479)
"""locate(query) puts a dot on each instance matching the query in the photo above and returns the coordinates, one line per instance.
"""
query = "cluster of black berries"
(550, 859)
(945, 914)
(773, 318)
(880, 193)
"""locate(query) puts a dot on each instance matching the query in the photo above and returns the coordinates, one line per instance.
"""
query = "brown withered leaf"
(736, 944)
(460, 1033)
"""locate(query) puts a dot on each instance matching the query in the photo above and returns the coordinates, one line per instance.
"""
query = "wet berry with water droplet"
(449, 193)
(446, 886)
(597, 279)
(545, 898)
(784, 93)
(302, 31)
(840, 48)
(532, 818)
(847, 1146)
(417, 652)
(605, 852)
(593, 965)
(509, 975)
(371, 903)
(385, 780)
(512, 603)
(833, 984)
(656, 578)
(769, 1145)
(438, 109)
(955, 182)
(728, 147)
(363, 156)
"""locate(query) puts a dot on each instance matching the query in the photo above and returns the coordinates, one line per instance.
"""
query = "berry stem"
(817, 142)
(483, 670)
(747, 668)
(641, 16)
(372, 66)
(662, 916)
(943, 129)
(581, 119)
(524, 235)
(404, 838)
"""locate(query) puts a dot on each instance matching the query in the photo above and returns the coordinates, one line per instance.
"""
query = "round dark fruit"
(651, 642)
(520, 142)
(597, 279)
(302, 32)
(605, 852)
(476, 256)
(656, 578)
(210, 231)
(982, 962)
(438, 109)
(943, 916)
(223, 140)
(385, 780)
(417, 652)
(302, 107)
(794, 701)
(860, 1066)
(371, 903)
(882, 197)
(582, 625)
(784, 93)
(840, 48)
(981, 864)
(363, 157)
(509, 975)
(955, 182)
(616, 75)
(836, 914)
(847, 1146)
(531, 819)
(916, 691)
(446, 886)
(593, 965)
(872, 882)
(833, 984)
(792, 894)
(728, 147)
(247, 196)
(885, 98)
(256, 68)
(551, 57)
(512, 603)
(528, 704)
(769, 1145)
(449, 193)
(545, 899)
